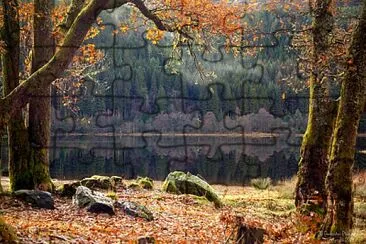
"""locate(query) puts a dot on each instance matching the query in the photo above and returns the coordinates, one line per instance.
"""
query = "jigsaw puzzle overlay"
(149, 109)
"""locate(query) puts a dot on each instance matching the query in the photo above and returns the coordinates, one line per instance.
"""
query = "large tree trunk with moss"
(19, 169)
(338, 221)
(40, 105)
(313, 164)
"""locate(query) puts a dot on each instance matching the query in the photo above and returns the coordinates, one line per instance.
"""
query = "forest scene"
(183, 121)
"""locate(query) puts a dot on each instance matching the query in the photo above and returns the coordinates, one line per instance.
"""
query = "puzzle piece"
(123, 97)
(148, 112)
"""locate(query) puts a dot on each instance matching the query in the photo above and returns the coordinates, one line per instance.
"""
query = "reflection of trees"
(227, 166)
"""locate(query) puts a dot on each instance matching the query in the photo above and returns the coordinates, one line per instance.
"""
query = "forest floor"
(177, 218)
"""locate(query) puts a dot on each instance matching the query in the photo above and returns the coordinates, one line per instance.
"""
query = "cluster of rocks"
(97, 202)
(142, 183)
(94, 182)
(85, 195)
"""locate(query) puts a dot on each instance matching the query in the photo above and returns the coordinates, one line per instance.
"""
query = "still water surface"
(219, 158)
(231, 159)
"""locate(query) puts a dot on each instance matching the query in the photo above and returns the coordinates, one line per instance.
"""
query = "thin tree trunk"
(20, 172)
(313, 164)
(338, 221)
(40, 105)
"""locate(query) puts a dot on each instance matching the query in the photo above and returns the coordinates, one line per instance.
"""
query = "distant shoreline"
(150, 134)
(137, 134)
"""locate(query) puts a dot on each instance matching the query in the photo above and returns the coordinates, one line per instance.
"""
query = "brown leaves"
(177, 219)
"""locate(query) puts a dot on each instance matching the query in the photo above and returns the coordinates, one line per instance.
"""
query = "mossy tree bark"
(40, 105)
(313, 164)
(19, 168)
(338, 221)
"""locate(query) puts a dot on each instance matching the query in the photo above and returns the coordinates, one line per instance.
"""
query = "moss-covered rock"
(102, 182)
(97, 181)
(136, 210)
(93, 201)
(134, 186)
(68, 189)
(145, 182)
(7, 233)
(181, 183)
(116, 181)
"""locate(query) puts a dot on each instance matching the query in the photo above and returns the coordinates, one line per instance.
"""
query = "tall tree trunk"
(338, 221)
(20, 171)
(40, 105)
(313, 164)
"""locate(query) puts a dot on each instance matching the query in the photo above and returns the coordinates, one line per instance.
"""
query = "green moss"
(134, 186)
(97, 181)
(112, 195)
(41, 175)
(200, 199)
(7, 233)
(169, 183)
(145, 182)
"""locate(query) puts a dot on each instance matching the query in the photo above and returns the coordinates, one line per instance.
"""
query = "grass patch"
(286, 188)
(358, 236)
(360, 210)
(261, 183)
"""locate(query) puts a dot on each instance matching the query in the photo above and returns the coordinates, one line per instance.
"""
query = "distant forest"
(140, 86)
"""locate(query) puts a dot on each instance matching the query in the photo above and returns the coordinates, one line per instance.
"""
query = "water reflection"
(223, 159)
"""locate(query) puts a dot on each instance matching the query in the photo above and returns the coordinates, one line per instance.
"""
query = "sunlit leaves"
(154, 35)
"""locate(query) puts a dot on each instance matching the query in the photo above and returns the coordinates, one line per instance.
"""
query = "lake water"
(224, 159)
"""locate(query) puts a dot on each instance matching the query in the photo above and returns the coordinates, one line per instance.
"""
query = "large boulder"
(38, 199)
(94, 202)
(136, 210)
(181, 183)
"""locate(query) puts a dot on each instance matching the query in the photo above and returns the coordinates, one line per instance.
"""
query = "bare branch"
(74, 9)
(157, 21)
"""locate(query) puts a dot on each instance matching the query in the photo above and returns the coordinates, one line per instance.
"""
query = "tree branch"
(157, 21)
(75, 7)
(43, 77)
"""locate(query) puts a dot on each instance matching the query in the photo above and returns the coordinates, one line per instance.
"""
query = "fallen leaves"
(177, 219)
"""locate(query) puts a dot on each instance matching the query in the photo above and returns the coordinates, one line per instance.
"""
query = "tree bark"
(40, 105)
(313, 164)
(19, 169)
(338, 221)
